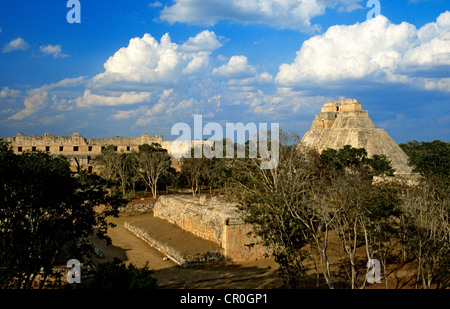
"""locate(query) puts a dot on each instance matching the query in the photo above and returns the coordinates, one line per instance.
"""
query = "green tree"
(428, 157)
(47, 215)
(221, 171)
(345, 157)
(350, 157)
(133, 177)
(153, 163)
(347, 198)
(117, 275)
(108, 161)
(276, 202)
(115, 167)
(380, 165)
(426, 230)
(360, 212)
(426, 212)
(294, 208)
(381, 222)
(196, 172)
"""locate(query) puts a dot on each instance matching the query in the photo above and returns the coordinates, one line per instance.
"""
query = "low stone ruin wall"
(212, 220)
(136, 208)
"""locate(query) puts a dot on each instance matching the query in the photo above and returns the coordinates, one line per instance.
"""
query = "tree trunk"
(154, 190)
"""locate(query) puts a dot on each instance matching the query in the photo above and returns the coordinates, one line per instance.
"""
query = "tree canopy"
(428, 158)
(47, 214)
(117, 275)
(297, 207)
(151, 165)
(350, 157)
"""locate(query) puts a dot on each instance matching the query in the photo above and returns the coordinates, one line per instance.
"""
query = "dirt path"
(128, 248)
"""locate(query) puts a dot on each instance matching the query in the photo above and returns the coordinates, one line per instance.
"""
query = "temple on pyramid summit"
(343, 123)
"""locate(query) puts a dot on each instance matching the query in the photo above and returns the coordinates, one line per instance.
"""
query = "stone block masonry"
(212, 220)
(80, 150)
(76, 144)
(239, 245)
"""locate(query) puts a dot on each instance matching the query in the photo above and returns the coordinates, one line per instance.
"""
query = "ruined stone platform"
(182, 247)
(211, 219)
(191, 230)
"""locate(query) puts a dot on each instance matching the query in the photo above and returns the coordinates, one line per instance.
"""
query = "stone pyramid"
(343, 123)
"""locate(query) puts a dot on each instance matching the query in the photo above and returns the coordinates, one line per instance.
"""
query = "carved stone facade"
(343, 123)
(77, 144)
(81, 150)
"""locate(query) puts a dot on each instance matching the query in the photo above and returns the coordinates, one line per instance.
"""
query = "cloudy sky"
(133, 67)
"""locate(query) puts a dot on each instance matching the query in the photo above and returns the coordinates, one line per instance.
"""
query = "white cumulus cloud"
(283, 14)
(433, 44)
(16, 44)
(54, 50)
(204, 41)
(237, 67)
(148, 113)
(6, 93)
(125, 98)
(237, 71)
(145, 60)
(36, 101)
(375, 49)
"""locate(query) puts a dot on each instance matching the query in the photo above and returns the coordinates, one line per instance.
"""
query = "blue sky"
(132, 67)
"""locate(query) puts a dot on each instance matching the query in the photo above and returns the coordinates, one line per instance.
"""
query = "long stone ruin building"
(80, 150)
(343, 123)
